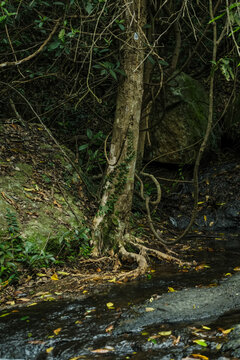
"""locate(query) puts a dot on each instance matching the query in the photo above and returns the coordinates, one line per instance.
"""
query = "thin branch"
(18, 62)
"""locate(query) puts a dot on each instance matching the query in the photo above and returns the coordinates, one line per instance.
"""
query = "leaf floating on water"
(202, 266)
(6, 314)
(148, 309)
(32, 304)
(170, 289)
(228, 274)
(110, 305)
(200, 342)
(54, 277)
(57, 331)
(49, 349)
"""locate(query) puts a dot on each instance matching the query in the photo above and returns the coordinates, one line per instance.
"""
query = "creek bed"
(84, 328)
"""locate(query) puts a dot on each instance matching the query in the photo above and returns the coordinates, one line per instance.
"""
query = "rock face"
(183, 123)
(185, 306)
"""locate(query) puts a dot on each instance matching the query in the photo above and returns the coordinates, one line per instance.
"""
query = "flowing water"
(84, 328)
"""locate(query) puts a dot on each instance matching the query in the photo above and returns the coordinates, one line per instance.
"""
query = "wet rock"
(186, 306)
(233, 344)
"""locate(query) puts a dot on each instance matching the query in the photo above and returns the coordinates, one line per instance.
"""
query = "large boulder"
(178, 122)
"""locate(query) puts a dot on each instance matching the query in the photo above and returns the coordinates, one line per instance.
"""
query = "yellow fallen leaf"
(201, 267)
(57, 331)
(11, 303)
(54, 277)
(228, 274)
(225, 332)
(110, 305)
(205, 218)
(78, 322)
(200, 202)
(32, 304)
(206, 327)
(237, 268)
(49, 349)
(165, 333)
(28, 189)
(112, 280)
(148, 309)
(170, 289)
(211, 223)
(199, 356)
(41, 274)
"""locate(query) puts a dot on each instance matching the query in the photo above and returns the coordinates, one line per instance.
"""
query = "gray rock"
(185, 306)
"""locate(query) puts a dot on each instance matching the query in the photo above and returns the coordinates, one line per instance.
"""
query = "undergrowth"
(17, 253)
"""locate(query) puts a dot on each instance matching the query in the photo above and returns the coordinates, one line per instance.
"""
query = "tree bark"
(111, 221)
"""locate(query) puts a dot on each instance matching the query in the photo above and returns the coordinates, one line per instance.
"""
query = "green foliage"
(107, 67)
(17, 253)
(14, 251)
(226, 69)
(91, 155)
(71, 245)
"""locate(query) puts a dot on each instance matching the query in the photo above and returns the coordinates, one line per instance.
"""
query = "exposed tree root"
(141, 258)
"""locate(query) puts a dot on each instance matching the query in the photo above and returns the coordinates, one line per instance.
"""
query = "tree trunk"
(111, 221)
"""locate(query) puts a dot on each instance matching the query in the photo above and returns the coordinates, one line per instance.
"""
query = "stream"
(83, 328)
